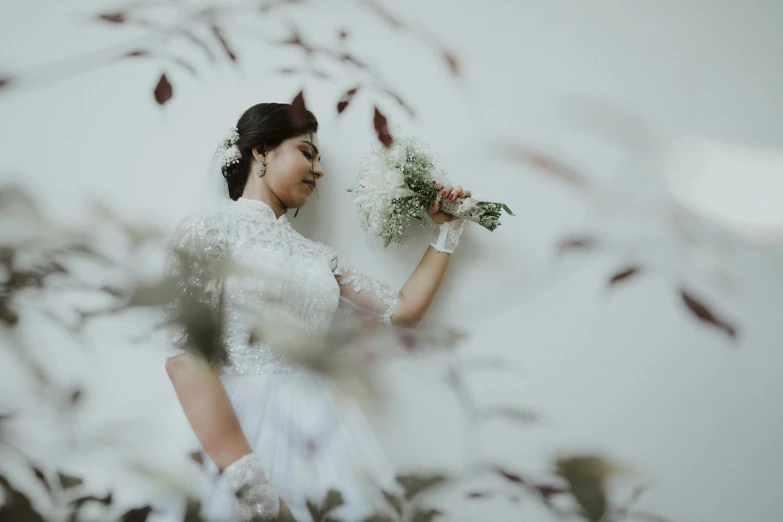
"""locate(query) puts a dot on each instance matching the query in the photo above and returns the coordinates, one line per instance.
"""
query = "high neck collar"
(259, 207)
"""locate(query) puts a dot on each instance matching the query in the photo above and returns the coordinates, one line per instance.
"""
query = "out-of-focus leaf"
(19, 204)
(299, 110)
(394, 501)
(577, 243)
(346, 99)
(425, 515)
(645, 517)
(106, 501)
(41, 476)
(218, 32)
(197, 457)
(511, 477)
(378, 518)
(112, 18)
(511, 413)
(381, 10)
(400, 101)
(200, 43)
(453, 63)
(547, 164)
(76, 396)
(154, 295)
(137, 53)
(382, 129)
(137, 514)
(586, 477)
(193, 511)
(315, 512)
(333, 500)
(343, 35)
(477, 495)
(416, 484)
(705, 314)
(7, 316)
(16, 505)
(5, 82)
(163, 91)
(68, 481)
(624, 274)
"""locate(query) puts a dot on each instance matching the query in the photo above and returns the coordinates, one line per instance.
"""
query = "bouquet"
(397, 184)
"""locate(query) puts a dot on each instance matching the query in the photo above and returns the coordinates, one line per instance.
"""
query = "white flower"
(227, 147)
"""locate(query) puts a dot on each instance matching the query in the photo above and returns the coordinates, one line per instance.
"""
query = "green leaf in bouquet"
(508, 210)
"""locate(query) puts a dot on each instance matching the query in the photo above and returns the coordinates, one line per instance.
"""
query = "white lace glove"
(255, 494)
(446, 236)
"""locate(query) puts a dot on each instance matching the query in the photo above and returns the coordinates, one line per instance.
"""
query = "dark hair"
(265, 126)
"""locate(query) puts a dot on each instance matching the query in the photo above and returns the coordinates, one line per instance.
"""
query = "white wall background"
(627, 373)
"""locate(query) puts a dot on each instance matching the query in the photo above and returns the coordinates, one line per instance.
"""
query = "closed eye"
(307, 155)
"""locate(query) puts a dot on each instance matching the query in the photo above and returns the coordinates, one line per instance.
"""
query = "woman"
(278, 434)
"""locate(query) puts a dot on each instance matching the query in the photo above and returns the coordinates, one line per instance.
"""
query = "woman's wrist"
(445, 237)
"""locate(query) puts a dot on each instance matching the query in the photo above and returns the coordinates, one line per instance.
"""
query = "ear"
(259, 152)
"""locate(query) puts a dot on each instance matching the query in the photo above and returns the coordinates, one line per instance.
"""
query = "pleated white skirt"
(311, 440)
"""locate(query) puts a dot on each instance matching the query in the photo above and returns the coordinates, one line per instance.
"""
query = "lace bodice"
(274, 272)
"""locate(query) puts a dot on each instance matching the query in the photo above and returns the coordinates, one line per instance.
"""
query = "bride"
(279, 436)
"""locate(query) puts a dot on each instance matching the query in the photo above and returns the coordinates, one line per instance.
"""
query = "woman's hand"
(446, 192)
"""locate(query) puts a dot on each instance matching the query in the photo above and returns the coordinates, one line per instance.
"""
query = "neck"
(260, 192)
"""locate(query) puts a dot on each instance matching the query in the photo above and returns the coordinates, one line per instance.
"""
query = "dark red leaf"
(224, 43)
(113, 18)
(343, 34)
(200, 43)
(381, 10)
(346, 99)
(547, 164)
(382, 129)
(624, 274)
(547, 491)
(4, 82)
(705, 314)
(163, 91)
(197, 457)
(402, 103)
(296, 39)
(511, 477)
(136, 53)
(185, 65)
(576, 243)
(349, 58)
(453, 63)
(299, 110)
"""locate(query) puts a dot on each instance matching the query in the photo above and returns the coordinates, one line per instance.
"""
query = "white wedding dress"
(309, 439)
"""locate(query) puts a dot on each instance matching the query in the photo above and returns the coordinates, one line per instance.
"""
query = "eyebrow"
(314, 148)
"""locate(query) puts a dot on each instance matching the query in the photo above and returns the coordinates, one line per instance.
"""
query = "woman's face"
(293, 168)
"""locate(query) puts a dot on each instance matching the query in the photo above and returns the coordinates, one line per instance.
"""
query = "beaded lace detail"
(274, 272)
(255, 495)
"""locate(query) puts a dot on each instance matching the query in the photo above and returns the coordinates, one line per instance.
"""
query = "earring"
(260, 168)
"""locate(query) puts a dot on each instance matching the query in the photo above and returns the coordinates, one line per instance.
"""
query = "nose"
(318, 171)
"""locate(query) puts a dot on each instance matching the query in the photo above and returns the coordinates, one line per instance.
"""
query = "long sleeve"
(361, 294)
(194, 267)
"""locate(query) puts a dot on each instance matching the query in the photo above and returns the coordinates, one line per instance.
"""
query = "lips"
(309, 182)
